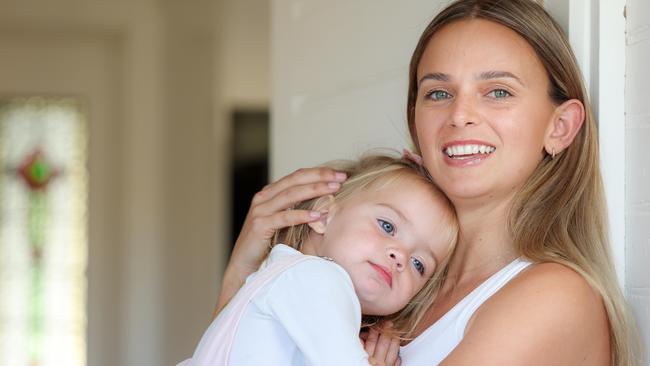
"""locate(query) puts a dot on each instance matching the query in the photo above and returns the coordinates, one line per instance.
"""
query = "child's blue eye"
(419, 266)
(386, 226)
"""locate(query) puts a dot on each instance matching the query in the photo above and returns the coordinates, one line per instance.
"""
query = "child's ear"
(325, 205)
(567, 121)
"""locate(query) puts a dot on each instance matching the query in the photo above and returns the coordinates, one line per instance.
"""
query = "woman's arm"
(548, 315)
(269, 211)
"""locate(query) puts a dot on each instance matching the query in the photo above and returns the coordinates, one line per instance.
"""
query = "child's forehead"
(397, 190)
(405, 180)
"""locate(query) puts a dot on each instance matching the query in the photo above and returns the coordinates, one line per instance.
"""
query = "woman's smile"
(467, 152)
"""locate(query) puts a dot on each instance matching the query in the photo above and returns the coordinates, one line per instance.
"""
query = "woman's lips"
(384, 273)
(462, 153)
(466, 160)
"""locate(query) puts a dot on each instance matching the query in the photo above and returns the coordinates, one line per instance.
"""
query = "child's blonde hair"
(370, 172)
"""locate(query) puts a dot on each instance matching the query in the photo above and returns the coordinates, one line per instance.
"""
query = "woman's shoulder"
(553, 283)
(549, 312)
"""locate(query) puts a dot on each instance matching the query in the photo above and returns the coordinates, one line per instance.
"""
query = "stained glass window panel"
(43, 232)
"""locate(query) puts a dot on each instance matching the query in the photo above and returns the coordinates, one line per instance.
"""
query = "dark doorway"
(250, 154)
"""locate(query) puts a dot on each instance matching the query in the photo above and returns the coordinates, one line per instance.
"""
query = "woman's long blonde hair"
(559, 215)
(370, 172)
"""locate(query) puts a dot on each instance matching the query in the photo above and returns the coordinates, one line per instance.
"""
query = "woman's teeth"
(460, 150)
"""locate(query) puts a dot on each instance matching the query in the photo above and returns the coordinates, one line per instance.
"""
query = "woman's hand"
(271, 210)
(383, 349)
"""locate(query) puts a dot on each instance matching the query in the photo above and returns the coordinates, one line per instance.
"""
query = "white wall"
(637, 174)
(596, 30)
(340, 68)
(245, 27)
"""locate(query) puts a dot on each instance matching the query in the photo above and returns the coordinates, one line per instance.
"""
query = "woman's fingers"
(269, 213)
(264, 227)
(291, 196)
(298, 178)
(253, 241)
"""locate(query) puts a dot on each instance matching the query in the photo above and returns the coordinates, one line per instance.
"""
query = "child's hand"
(271, 210)
(383, 349)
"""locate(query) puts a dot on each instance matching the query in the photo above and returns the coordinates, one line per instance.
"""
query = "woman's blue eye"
(419, 266)
(438, 95)
(499, 93)
(386, 226)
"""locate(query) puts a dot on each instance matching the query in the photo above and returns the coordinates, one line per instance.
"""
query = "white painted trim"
(611, 115)
(596, 31)
(583, 36)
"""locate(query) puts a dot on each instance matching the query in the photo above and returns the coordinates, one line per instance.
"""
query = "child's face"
(389, 240)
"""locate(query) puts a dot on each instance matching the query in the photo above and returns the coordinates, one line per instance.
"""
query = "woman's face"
(482, 110)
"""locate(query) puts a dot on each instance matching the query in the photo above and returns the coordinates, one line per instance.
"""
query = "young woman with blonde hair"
(499, 112)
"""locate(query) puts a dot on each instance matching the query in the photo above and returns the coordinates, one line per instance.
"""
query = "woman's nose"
(463, 112)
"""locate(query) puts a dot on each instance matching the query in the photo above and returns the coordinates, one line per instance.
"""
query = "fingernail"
(334, 185)
(314, 214)
(340, 176)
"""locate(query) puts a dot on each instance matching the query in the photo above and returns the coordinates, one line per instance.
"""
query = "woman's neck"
(485, 245)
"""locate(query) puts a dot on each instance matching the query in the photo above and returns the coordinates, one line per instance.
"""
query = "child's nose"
(397, 259)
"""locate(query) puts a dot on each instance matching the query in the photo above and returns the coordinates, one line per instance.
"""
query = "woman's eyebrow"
(487, 75)
(437, 76)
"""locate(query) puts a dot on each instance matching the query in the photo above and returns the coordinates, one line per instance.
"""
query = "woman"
(499, 113)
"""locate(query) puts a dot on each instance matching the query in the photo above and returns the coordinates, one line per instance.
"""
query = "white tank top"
(437, 341)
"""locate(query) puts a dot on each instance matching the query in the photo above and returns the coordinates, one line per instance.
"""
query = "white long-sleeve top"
(307, 314)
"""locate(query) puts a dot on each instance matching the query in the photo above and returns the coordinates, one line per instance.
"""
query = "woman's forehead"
(477, 46)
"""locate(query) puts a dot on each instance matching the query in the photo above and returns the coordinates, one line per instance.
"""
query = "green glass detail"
(39, 172)
(36, 326)
(36, 220)
(36, 171)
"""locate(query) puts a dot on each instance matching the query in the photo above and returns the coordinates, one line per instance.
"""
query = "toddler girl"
(378, 249)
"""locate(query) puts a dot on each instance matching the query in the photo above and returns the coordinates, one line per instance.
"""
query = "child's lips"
(384, 273)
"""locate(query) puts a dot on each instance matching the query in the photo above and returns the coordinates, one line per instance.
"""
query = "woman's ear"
(325, 205)
(567, 121)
